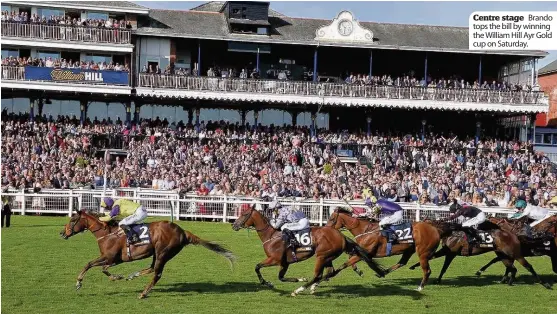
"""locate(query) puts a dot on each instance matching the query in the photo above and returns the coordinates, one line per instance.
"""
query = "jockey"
(288, 220)
(536, 213)
(473, 217)
(134, 211)
(392, 210)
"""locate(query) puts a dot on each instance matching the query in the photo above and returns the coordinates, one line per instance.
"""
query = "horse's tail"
(353, 248)
(217, 248)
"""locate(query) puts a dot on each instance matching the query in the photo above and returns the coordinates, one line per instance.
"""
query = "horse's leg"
(448, 260)
(329, 269)
(145, 271)
(554, 262)
(424, 263)
(509, 269)
(111, 276)
(269, 261)
(493, 261)
(167, 254)
(530, 268)
(403, 261)
(282, 272)
(442, 252)
(97, 262)
(356, 270)
(317, 275)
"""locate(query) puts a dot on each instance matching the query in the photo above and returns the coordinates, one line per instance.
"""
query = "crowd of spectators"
(218, 158)
(452, 82)
(24, 17)
(64, 64)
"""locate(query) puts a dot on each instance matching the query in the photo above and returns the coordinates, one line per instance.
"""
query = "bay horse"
(529, 248)
(327, 244)
(367, 233)
(506, 246)
(167, 240)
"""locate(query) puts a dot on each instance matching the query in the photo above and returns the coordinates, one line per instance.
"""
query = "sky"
(444, 13)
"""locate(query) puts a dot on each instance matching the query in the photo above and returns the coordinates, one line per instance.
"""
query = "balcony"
(66, 79)
(59, 36)
(171, 85)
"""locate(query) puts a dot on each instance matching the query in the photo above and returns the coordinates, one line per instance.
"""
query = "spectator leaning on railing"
(63, 63)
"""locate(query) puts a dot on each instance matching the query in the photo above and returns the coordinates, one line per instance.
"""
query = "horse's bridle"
(248, 217)
(72, 226)
(336, 219)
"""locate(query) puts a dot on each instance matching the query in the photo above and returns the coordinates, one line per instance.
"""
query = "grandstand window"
(505, 71)
(98, 58)
(10, 53)
(6, 8)
(262, 31)
(547, 138)
(97, 16)
(46, 12)
(513, 69)
(48, 54)
(554, 140)
(538, 139)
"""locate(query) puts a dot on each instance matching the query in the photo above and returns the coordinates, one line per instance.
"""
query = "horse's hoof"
(438, 281)
(380, 275)
(505, 280)
(303, 279)
(420, 288)
(547, 286)
(142, 296)
(293, 294)
(412, 267)
(116, 277)
(312, 292)
(479, 273)
(268, 284)
(132, 276)
(78, 285)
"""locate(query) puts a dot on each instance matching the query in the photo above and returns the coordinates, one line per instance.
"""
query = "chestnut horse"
(167, 240)
(426, 240)
(529, 248)
(505, 245)
(327, 245)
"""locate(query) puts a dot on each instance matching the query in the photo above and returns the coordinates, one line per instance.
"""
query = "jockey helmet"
(107, 202)
(455, 206)
(520, 204)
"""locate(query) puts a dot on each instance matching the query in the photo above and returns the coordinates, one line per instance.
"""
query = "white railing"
(195, 83)
(213, 208)
(66, 33)
(13, 73)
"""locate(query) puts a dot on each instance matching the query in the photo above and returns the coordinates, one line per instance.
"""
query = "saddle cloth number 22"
(403, 234)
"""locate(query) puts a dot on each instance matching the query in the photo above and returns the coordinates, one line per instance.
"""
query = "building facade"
(246, 63)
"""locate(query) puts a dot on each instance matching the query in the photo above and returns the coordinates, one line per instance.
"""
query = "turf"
(39, 271)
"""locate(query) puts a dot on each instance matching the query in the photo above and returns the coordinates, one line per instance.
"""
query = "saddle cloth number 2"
(403, 234)
(303, 239)
(144, 232)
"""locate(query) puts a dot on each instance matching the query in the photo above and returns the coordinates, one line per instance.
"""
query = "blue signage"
(345, 153)
(76, 75)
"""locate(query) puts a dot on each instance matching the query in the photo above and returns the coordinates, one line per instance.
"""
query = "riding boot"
(289, 238)
(474, 236)
(132, 237)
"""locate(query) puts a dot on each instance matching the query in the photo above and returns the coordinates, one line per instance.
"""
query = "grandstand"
(261, 106)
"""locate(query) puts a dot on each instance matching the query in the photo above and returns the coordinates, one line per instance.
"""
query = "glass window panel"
(554, 141)
(547, 138)
(98, 58)
(49, 54)
(46, 12)
(9, 53)
(97, 16)
(6, 8)
(539, 139)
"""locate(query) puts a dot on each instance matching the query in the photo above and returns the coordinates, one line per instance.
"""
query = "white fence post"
(23, 201)
(321, 209)
(225, 208)
(418, 213)
(70, 204)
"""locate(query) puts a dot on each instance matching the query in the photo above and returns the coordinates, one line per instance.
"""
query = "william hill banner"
(76, 75)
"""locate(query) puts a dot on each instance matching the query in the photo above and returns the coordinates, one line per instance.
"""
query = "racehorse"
(167, 240)
(327, 245)
(426, 240)
(505, 245)
(529, 248)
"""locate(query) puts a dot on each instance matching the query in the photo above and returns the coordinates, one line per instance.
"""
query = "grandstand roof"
(548, 69)
(119, 6)
(208, 22)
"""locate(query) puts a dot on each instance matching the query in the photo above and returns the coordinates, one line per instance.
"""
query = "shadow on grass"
(474, 281)
(209, 287)
(356, 291)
